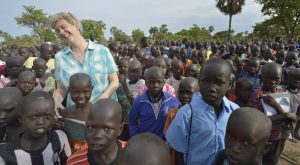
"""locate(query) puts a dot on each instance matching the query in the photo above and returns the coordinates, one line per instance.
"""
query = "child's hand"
(122, 79)
(291, 116)
(57, 124)
(272, 102)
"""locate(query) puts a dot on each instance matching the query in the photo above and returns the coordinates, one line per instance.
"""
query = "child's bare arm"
(272, 102)
(284, 116)
(179, 158)
(126, 89)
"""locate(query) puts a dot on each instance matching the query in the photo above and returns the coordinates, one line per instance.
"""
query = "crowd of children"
(192, 103)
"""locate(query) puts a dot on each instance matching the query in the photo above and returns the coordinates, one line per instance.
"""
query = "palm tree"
(230, 7)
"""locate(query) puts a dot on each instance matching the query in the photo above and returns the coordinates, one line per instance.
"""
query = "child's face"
(243, 92)
(25, 53)
(47, 53)
(253, 66)
(280, 57)
(134, 72)
(14, 68)
(177, 70)
(123, 66)
(38, 120)
(201, 56)
(185, 93)
(255, 52)
(294, 81)
(291, 59)
(39, 69)
(26, 84)
(161, 64)
(222, 48)
(168, 64)
(214, 83)
(183, 54)
(267, 54)
(243, 146)
(192, 71)
(80, 92)
(271, 79)
(102, 130)
(8, 112)
(155, 83)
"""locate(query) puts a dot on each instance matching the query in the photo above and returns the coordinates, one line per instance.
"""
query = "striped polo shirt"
(55, 153)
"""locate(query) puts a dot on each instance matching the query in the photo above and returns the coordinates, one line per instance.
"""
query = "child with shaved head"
(145, 144)
(245, 140)
(103, 126)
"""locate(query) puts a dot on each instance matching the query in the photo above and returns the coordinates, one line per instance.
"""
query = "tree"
(267, 29)
(96, 28)
(211, 29)
(137, 34)
(37, 21)
(284, 13)
(222, 35)
(118, 34)
(230, 7)
(153, 30)
(163, 28)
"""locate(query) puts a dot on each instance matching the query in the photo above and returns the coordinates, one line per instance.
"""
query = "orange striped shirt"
(81, 157)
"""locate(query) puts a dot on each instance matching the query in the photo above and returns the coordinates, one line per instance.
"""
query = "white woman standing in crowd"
(81, 56)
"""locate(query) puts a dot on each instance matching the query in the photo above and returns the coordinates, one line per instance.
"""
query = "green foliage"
(96, 28)
(267, 30)
(195, 33)
(37, 21)
(136, 35)
(283, 13)
(222, 35)
(119, 35)
(159, 34)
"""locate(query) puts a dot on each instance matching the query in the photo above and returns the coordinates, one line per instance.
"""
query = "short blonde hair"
(69, 17)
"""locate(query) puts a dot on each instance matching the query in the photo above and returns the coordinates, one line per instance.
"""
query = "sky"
(132, 14)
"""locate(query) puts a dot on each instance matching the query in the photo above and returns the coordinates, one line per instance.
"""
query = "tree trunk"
(229, 29)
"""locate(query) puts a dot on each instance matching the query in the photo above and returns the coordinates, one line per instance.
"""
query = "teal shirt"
(98, 63)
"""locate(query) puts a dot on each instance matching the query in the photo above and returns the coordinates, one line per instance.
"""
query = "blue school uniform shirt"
(142, 117)
(255, 79)
(207, 133)
(98, 63)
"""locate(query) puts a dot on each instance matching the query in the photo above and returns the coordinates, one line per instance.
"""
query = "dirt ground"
(291, 150)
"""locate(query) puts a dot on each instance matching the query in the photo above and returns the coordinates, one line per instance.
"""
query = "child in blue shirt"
(150, 110)
(251, 72)
(198, 130)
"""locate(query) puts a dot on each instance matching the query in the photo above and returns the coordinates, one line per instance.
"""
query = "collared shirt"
(167, 88)
(144, 118)
(207, 131)
(98, 63)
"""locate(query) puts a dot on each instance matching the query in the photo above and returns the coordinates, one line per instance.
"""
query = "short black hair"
(37, 97)
(215, 61)
(105, 104)
(81, 77)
